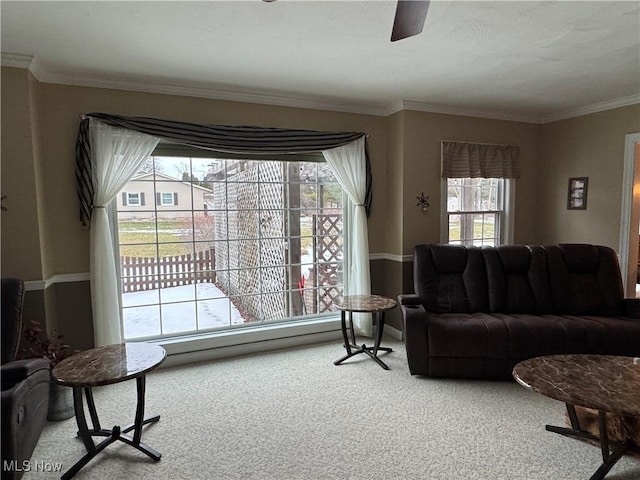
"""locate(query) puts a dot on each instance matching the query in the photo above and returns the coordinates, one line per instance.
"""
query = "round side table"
(374, 304)
(104, 366)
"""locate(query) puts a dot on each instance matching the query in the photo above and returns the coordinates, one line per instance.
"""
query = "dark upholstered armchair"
(25, 387)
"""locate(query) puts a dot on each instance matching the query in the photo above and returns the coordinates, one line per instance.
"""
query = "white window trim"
(506, 220)
(507, 227)
(166, 204)
(138, 197)
(240, 339)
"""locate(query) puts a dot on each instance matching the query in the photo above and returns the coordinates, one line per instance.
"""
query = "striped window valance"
(479, 160)
(258, 142)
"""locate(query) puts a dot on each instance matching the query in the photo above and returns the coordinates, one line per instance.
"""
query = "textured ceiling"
(528, 60)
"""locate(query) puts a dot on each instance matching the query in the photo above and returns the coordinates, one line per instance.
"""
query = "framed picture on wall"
(577, 195)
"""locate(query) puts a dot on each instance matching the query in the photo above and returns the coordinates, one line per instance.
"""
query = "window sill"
(182, 350)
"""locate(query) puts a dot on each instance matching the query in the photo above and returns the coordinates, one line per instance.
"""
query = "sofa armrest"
(24, 409)
(18, 370)
(409, 299)
(416, 334)
(632, 307)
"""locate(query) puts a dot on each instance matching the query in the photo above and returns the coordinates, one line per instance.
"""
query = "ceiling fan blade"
(410, 16)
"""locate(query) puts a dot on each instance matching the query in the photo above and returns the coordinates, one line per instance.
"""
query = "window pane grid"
(474, 209)
(222, 243)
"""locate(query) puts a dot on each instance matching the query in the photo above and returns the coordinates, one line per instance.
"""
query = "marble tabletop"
(602, 382)
(108, 364)
(364, 303)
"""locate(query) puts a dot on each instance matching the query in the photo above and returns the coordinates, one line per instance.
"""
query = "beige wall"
(423, 133)
(413, 166)
(63, 105)
(394, 182)
(20, 238)
(42, 235)
(586, 146)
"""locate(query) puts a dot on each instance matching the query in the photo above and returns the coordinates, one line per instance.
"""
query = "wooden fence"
(150, 273)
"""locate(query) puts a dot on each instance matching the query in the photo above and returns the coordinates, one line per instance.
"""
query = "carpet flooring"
(291, 414)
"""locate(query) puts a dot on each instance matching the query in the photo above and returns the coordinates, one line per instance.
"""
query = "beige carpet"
(294, 415)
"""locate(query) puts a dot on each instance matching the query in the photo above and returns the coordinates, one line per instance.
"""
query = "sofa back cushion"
(450, 278)
(518, 279)
(584, 280)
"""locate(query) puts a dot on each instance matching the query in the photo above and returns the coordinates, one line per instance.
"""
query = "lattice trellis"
(327, 276)
(252, 210)
(330, 238)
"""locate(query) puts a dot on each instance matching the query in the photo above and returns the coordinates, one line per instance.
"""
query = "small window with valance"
(478, 192)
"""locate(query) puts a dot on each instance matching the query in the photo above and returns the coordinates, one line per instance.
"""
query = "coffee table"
(374, 304)
(602, 382)
(104, 366)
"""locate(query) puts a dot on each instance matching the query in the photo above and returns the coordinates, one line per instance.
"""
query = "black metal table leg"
(379, 317)
(343, 325)
(93, 414)
(372, 352)
(353, 330)
(606, 466)
(137, 431)
(113, 435)
(81, 420)
(611, 451)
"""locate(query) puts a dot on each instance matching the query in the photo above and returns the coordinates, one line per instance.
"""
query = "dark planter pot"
(60, 402)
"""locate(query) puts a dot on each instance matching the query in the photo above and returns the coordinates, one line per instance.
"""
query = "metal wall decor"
(423, 202)
(577, 193)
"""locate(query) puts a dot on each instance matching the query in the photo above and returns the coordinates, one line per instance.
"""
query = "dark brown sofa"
(477, 311)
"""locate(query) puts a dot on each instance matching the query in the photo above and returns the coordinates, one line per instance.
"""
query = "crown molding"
(594, 108)
(200, 90)
(430, 108)
(155, 85)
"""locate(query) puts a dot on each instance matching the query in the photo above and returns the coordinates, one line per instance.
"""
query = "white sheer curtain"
(116, 155)
(348, 164)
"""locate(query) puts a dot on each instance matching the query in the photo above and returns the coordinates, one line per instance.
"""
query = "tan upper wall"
(587, 146)
(44, 220)
(20, 240)
(394, 181)
(40, 122)
(423, 133)
(62, 106)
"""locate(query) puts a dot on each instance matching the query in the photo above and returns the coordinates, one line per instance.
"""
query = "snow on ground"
(180, 312)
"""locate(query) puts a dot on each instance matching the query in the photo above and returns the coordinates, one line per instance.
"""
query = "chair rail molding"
(33, 285)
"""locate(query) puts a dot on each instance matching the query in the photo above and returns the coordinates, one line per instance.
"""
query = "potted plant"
(40, 344)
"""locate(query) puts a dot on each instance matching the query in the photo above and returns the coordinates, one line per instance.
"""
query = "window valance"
(474, 160)
(216, 138)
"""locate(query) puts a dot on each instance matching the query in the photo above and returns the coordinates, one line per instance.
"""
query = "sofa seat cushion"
(612, 335)
(521, 336)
